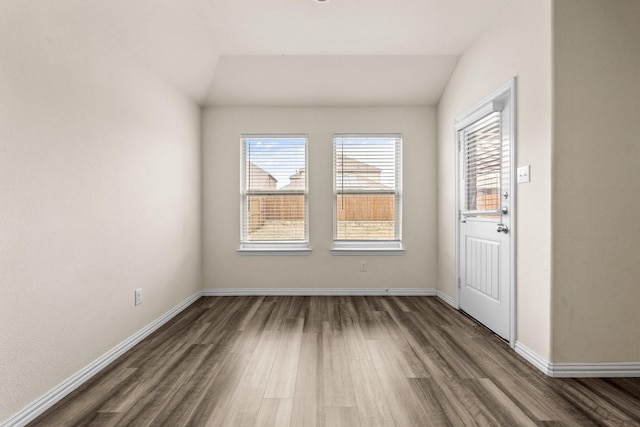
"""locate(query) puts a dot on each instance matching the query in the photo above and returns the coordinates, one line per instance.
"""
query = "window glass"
(274, 189)
(367, 187)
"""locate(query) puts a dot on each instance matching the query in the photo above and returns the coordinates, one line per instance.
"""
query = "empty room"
(319, 212)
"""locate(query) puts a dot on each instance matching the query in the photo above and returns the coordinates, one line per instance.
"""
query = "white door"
(485, 212)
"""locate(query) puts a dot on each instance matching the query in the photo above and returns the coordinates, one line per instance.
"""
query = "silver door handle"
(502, 229)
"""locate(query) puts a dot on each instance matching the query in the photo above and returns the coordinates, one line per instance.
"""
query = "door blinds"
(482, 166)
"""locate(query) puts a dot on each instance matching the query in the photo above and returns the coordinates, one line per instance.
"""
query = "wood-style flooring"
(335, 361)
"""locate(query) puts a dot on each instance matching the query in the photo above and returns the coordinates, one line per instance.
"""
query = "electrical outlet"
(138, 296)
(363, 266)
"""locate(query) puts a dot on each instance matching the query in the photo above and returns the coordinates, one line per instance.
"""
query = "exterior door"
(485, 213)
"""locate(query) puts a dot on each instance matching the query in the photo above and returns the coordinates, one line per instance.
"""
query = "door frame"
(469, 116)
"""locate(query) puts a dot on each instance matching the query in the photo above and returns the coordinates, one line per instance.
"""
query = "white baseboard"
(595, 370)
(532, 357)
(579, 370)
(53, 396)
(446, 298)
(210, 292)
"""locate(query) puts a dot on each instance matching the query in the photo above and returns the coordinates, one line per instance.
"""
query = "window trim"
(367, 247)
(370, 247)
(275, 248)
(271, 247)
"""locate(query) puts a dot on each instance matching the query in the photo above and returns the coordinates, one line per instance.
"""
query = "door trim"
(477, 111)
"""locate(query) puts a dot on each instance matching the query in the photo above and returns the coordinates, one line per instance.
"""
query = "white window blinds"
(482, 173)
(367, 187)
(274, 189)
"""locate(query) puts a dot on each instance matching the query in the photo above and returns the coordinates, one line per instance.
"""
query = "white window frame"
(369, 247)
(276, 247)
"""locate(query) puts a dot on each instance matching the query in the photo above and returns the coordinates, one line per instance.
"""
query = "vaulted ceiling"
(300, 52)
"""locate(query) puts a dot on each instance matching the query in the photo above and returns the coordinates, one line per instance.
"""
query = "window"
(482, 159)
(274, 202)
(367, 193)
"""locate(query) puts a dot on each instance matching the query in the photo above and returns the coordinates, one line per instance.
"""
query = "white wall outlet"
(524, 174)
(363, 265)
(138, 296)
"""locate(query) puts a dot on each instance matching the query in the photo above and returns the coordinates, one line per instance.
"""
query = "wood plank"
(371, 402)
(331, 361)
(275, 413)
(405, 406)
(338, 389)
(247, 397)
(599, 409)
(404, 345)
(146, 407)
(315, 315)
(441, 402)
(282, 378)
(340, 416)
(218, 394)
(352, 333)
(84, 403)
(308, 400)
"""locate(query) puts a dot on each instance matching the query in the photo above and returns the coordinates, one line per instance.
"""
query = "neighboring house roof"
(356, 181)
(354, 174)
(296, 181)
(260, 179)
(349, 164)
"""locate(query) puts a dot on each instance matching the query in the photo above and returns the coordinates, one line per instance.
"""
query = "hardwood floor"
(335, 361)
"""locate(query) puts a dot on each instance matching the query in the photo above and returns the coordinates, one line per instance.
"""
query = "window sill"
(367, 248)
(280, 249)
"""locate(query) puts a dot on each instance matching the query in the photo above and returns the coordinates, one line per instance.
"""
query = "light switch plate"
(524, 174)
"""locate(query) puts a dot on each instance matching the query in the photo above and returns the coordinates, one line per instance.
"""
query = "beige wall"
(223, 267)
(99, 185)
(596, 185)
(517, 44)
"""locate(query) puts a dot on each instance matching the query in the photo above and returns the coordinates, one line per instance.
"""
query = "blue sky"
(281, 157)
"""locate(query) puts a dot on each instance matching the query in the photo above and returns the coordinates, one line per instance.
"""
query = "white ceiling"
(330, 80)
(300, 52)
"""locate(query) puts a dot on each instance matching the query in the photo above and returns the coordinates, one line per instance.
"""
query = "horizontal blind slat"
(274, 188)
(367, 185)
(482, 164)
